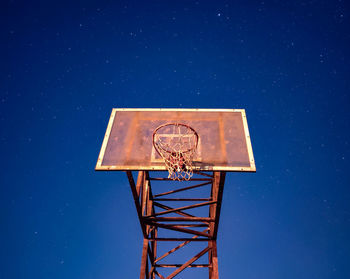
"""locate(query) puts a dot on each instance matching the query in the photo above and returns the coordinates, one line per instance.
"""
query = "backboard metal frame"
(101, 167)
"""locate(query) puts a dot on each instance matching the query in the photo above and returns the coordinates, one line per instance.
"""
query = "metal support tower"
(154, 215)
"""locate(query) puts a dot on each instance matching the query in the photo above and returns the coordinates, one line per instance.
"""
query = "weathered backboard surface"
(224, 141)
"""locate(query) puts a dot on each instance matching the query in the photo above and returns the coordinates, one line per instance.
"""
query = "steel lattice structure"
(154, 215)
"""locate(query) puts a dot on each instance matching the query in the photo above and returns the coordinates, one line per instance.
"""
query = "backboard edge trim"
(163, 168)
(248, 141)
(105, 139)
(174, 109)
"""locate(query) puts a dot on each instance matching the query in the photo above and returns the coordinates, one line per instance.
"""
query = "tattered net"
(176, 143)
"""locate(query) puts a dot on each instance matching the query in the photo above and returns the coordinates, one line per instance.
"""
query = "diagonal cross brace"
(176, 248)
(180, 208)
(189, 262)
(178, 229)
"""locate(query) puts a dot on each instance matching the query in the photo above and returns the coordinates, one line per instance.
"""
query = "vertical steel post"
(144, 260)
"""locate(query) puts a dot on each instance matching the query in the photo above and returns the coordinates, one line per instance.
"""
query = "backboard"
(224, 142)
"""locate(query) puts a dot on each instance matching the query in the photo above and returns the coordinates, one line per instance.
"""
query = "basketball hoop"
(176, 143)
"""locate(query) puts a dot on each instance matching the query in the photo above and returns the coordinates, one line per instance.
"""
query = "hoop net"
(176, 143)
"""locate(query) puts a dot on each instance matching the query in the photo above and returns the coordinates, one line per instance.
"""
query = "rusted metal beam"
(176, 248)
(189, 225)
(156, 272)
(212, 207)
(214, 263)
(145, 190)
(184, 199)
(178, 265)
(152, 249)
(151, 272)
(182, 219)
(150, 253)
(219, 181)
(151, 258)
(210, 260)
(140, 182)
(170, 227)
(183, 189)
(169, 179)
(189, 262)
(144, 261)
(180, 208)
(173, 250)
(178, 239)
(136, 197)
(169, 208)
(149, 182)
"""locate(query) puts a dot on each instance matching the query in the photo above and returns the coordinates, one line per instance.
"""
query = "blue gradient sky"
(66, 64)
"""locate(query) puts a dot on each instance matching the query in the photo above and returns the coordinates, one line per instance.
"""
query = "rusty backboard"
(224, 141)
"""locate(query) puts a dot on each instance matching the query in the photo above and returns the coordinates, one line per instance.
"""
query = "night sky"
(66, 64)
